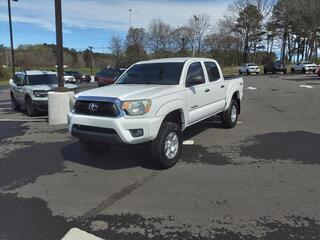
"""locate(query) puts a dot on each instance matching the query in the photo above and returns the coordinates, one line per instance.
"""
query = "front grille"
(105, 109)
(95, 129)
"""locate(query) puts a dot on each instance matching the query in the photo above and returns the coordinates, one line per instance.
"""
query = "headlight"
(40, 93)
(134, 108)
(74, 102)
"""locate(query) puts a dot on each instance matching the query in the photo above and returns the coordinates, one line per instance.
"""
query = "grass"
(4, 83)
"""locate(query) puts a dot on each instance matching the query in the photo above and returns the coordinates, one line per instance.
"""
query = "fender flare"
(229, 95)
(172, 106)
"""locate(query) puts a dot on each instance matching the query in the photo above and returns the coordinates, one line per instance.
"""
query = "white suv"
(249, 68)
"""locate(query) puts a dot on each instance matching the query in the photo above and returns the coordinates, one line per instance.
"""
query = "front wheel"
(30, 109)
(93, 147)
(167, 147)
(229, 118)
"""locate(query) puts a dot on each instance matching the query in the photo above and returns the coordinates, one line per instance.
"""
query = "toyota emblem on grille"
(93, 107)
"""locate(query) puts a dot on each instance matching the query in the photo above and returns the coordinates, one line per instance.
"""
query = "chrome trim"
(115, 101)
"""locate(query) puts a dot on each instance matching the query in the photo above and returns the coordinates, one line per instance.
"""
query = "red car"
(108, 76)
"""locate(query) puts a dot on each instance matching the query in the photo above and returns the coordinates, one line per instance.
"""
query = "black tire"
(248, 73)
(94, 147)
(292, 70)
(14, 105)
(265, 71)
(314, 71)
(158, 154)
(303, 70)
(29, 107)
(240, 73)
(285, 71)
(226, 117)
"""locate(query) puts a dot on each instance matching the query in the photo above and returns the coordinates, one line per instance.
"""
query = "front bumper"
(41, 106)
(113, 130)
(254, 70)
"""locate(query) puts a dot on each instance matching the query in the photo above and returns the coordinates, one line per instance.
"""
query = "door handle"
(207, 90)
(222, 86)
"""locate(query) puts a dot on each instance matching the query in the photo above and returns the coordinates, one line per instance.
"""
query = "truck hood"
(49, 87)
(130, 91)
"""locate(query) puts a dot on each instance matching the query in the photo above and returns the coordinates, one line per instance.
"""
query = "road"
(260, 180)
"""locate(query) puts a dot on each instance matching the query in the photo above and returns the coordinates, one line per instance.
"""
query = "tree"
(160, 38)
(200, 24)
(182, 40)
(117, 49)
(135, 46)
(249, 25)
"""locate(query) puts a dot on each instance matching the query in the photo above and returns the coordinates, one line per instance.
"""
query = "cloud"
(113, 15)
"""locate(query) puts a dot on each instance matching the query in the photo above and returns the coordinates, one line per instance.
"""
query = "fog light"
(136, 132)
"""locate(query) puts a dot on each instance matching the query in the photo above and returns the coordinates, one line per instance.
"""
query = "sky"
(95, 22)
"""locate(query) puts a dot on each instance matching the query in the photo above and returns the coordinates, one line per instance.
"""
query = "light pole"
(58, 14)
(91, 59)
(194, 35)
(11, 38)
(130, 18)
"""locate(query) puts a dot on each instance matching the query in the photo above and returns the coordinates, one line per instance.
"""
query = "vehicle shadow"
(302, 78)
(114, 159)
(128, 156)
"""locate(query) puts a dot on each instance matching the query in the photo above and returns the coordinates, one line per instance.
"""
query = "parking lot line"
(306, 86)
(188, 142)
(23, 120)
(77, 234)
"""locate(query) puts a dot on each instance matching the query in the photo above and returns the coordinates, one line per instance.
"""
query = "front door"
(196, 91)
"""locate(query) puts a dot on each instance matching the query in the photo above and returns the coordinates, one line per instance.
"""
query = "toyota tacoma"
(153, 102)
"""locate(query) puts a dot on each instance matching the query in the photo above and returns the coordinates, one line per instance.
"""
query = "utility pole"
(58, 13)
(11, 38)
(130, 18)
(91, 59)
(194, 35)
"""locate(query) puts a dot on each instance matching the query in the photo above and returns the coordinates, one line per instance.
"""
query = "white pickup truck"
(154, 101)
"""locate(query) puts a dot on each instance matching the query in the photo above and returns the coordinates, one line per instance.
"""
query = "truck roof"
(170, 60)
(37, 72)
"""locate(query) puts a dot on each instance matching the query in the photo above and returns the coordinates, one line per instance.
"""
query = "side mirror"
(194, 80)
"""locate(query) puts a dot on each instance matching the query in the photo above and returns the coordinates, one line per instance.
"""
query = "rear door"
(217, 88)
(196, 92)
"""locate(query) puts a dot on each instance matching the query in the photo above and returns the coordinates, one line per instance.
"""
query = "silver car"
(29, 90)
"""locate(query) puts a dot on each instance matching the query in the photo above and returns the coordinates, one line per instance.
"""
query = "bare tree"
(160, 38)
(182, 40)
(117, 49)
(200, 24)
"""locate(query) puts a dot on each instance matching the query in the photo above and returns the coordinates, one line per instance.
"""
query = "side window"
(195, 75)
(16, 79)
(213, 71)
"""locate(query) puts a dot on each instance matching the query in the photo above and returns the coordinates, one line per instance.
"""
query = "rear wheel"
(248, 73)
(265, 71)
(94, 147)
(229, 118)
(14, 104)
(167, 147)
(240, 73)
(285, 71)
(30, 109)
(303, 70)
(292, 70)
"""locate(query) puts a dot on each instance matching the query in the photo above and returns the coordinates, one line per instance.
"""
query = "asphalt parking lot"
(260, 180)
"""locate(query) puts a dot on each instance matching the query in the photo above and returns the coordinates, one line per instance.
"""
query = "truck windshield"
(153, 73)
(42, 79)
